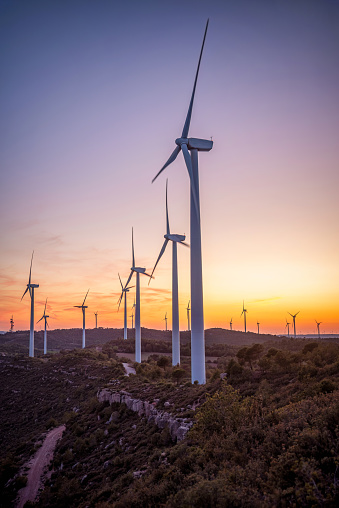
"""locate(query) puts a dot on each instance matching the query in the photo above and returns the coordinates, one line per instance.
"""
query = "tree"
(178, 374)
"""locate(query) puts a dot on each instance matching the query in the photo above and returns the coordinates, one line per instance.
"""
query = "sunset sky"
(93, 95)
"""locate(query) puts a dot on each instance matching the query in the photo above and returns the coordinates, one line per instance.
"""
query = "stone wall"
(178, 427)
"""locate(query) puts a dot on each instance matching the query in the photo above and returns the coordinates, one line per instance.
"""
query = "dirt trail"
(129, 370)
(37, 466)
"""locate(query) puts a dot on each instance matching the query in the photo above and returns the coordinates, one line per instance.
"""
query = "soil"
(38, 465)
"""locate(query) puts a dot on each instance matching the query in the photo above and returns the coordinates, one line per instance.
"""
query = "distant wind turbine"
(124, 291)
(165, 319)
(188, 316)
(194, 145)
(175, 239)
(96, 319)
(258, 324)
(132, 316)
(83, 307)
(12, 323)
(231, 324)
(318, 325)
(138, 271)
(244, 311)
(30, 288)
(44, 316)
(294, 316)
(288, 327)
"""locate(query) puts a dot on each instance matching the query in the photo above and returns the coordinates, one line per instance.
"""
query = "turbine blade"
(148, 275)
(190, 172)
(167, 221)
(120, 300)
(40, 320)
(189, 113)
(85, 297)
(45, 306)
(133, 261)
(171, 159)
(184, 243)
(129, 278)
(24, 293)
(161, 253)
(122, 287)
(30, 270)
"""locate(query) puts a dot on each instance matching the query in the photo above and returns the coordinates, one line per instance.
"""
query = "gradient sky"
(93, 95)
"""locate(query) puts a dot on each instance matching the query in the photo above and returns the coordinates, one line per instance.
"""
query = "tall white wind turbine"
(96, 319)
(124, 291)
(44, 316)
(30, 288)
(165, 319)
(175, 239)
(138, 271)
(83, 307)
(288, 327)
(231, 324)
(244, 311)
(258, 324)
(294, 316)
(190, 148)
(12, 323)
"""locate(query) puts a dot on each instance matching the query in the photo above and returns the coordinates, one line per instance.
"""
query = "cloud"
(266, 299)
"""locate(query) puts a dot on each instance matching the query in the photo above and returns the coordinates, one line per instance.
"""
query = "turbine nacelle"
(138, 269)
(202, 145)
(175, 238)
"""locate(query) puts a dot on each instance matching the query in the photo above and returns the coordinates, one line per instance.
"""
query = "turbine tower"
(124, 291)
(258, 324)
(44, 316)
(30, 288)
(318, 324)
(231, 324)
(294, 316)
(244, 311)
(12, 323)
(194, 146)
(175, 239)
(83, 307)
(96, 319)
(188, 316)
(288, 327)
(138, 271)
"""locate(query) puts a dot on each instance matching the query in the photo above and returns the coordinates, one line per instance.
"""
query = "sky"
(93, 95)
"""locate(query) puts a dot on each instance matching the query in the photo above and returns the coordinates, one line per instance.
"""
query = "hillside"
(268, 436)
(72, 338)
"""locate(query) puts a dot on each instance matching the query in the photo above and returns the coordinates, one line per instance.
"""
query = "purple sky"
(93, 95)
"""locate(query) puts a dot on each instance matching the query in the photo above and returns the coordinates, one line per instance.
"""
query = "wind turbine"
(30, 288)
(194, 146)
(175, 239)
(288, 327)
(258, 324)
(188, 316)
(12, 323)
(138, 271)
(244, 311)
(294, 316)
(96, 319)
(165, 319)
(318, 324)
(132, 316)
(124, 291)
(231, 324)
(83, 307)
(44, 316)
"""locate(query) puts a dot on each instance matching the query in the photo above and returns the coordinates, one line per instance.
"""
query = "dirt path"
(37, 466)
(129, 370)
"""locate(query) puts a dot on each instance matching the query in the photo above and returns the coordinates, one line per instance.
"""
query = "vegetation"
(266, 435)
